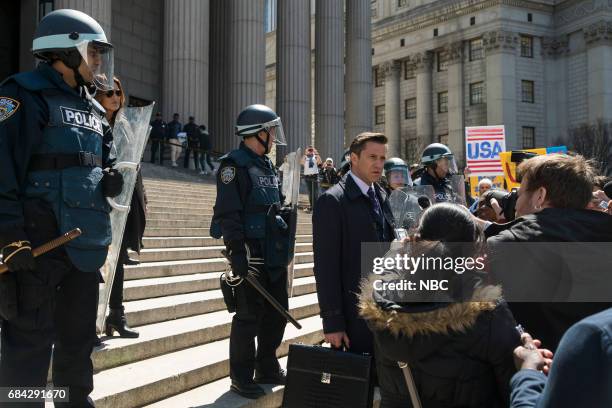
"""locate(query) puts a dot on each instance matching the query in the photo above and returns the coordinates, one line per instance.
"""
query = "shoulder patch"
(8, 106)
(227, 174)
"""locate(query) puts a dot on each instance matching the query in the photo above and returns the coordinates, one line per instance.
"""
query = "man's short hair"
(485, 181)
(568, 180)
(359, 142)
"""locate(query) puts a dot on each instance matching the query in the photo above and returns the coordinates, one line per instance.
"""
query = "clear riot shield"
(130, 135)
(417, 199)
(291, 191)
(457, 189)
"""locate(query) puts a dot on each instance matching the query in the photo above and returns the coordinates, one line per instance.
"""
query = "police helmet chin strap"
(264, 144)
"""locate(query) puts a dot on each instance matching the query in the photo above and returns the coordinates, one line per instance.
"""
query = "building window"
(472, 21)
(435, 32)
(476, 93)
(402, 3)
(379, 77)
(410, 108)
(476, 49)
(526, 46)
(44, 8)
(442, 61)
(442, 102)
(402, 42)
(443, 138)
(527, 91)
(529, 17)
(380, 114)
(528, 137)
(270, 16)
(409, 70)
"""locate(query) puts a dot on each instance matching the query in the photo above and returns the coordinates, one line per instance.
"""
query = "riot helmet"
(440, 159)
(397, 173)
(71, 36)
(260, 118)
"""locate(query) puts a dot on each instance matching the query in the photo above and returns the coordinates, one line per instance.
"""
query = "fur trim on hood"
(457, 317)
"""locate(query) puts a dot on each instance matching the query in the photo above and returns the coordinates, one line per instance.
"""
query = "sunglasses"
(110, 93)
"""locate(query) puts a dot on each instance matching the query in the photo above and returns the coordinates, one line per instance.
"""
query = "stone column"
(185, 87)
(501, 84)
(424, 120)
(220, 124)
(391, 70)
(329, 78)
(293, 72)
(358, 79)
(247, 60)
(100, 10)
(456, 140)
(598, 39)
(554, 53)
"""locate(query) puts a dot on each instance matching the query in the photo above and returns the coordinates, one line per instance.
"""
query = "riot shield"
(291, 190)
(417, 199)
(130, 135)
(457, 189)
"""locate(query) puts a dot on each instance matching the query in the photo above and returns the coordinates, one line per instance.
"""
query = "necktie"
(375, 206)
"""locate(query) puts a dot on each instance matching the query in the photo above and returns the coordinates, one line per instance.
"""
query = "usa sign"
(483, 144)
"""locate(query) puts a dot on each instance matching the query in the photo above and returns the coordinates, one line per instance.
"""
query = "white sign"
(483, 144)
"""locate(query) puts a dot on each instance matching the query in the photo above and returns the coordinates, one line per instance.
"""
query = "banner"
(510, 167)
(483, 144)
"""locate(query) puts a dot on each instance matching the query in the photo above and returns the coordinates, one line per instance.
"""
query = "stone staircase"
(181, 358)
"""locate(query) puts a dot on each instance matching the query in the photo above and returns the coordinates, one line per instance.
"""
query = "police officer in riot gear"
(54, 177)
(439, 165)
(246, 214)
(397, 174)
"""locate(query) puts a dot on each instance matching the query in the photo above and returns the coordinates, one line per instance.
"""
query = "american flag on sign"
(482, 147)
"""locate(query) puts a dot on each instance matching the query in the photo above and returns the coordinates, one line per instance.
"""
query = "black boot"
(277, 378)
(116, 321)
(247, 389)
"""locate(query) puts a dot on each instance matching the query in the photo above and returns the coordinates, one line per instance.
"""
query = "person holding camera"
(311, 162)
(549, 206)
(328, 175)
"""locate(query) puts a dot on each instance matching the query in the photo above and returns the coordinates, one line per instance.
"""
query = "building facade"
(541, 68)
(420, 71)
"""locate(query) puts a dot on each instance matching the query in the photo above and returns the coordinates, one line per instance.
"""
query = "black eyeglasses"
(110, 93)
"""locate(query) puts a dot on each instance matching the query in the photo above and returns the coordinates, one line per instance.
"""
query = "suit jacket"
(342, 221)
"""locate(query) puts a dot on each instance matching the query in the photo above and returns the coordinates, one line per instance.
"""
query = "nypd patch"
(82, 119)
(8, 106)
(228, 174)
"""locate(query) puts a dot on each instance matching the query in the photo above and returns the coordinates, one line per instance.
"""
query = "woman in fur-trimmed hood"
(460, 352)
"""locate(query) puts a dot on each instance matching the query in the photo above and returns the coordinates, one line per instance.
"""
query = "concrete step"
(155, 310)
(217, 394)
(302, 228)
(154, 379)
(187, 267)
(168, 201)
(195, 221)
(173, 335)
(202, 252)
(140, 289)
(202, 241)
(168, 213)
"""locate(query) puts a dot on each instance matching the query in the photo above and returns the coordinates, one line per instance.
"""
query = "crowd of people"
(57, 131)
(193, 138)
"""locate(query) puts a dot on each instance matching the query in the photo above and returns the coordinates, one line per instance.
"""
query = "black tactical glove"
(18, 257)
(238, 258)
(112, 183)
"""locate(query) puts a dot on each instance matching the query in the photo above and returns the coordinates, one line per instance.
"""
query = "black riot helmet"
(257, 118)
(71, 36)
(434, 153)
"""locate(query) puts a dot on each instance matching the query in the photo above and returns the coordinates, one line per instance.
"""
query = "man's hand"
(337, 339)
(112, 183)
(238, 258)
(18, 257)
(530, 356)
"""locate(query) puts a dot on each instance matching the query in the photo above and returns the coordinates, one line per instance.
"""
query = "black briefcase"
(320, 377)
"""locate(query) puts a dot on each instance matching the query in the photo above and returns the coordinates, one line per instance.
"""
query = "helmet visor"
(398, 177)
(448, 163)
(276, 131)
(99, 59)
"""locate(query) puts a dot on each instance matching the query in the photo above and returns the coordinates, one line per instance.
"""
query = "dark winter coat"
(136, 220)
(460, 354)
(548, 321)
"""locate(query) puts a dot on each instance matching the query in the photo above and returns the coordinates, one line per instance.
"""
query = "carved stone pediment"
(493, 41)
(598, 33)
(555, 46)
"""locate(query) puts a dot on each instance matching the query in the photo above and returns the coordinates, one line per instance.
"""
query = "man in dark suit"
(351, 212)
